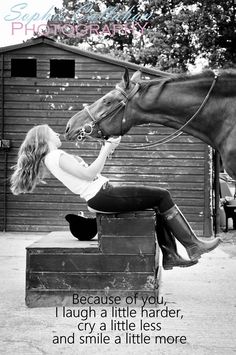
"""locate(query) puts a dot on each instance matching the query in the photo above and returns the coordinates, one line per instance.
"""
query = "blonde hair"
(30, 169)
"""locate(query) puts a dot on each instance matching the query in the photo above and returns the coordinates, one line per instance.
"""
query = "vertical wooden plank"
(3, 155)
(2, 95)
(207, 225)
(217, 192)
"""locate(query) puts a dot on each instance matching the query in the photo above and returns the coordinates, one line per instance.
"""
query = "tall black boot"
(178, 225)
(167, 243)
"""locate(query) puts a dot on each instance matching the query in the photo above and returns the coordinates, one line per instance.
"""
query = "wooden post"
(208, 220)
(2, 117)
(217, 192)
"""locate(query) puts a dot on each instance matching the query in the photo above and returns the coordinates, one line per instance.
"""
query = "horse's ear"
(126, 78)
(136, 77)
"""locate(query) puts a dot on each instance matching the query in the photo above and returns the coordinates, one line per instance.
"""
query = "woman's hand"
(113, 143)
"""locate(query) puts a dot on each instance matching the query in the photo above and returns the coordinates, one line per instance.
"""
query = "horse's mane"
(145, 84)
(161, 81)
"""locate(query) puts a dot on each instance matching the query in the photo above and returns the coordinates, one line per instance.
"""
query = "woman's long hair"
(30, 168)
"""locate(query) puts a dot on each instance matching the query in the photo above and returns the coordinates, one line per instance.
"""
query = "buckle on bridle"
(86, 130)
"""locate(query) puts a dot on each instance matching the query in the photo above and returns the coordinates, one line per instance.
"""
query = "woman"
(39, 152)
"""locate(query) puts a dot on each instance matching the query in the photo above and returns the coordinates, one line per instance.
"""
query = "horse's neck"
(173, 103)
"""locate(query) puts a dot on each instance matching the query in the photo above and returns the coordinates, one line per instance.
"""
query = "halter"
(87, 129)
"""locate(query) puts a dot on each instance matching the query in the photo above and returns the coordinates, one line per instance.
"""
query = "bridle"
(88, 128)
(123, 104)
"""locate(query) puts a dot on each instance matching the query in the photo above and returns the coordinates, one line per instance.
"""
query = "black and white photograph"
(118, 177)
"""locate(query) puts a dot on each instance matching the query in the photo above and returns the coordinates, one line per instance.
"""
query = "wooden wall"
(182, 166)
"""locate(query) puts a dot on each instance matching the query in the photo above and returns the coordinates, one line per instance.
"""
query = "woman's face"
(54, 138)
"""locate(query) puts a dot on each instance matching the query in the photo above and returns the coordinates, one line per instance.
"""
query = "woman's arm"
(69, 164)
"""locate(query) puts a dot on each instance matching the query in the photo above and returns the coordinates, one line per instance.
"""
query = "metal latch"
(5, 144)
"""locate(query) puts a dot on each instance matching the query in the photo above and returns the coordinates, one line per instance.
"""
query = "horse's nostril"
(67, 128)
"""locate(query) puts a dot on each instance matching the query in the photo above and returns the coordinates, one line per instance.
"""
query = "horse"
(202, 105)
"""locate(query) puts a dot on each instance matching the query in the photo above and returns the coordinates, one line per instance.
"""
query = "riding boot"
(178, 225)
(166, 241)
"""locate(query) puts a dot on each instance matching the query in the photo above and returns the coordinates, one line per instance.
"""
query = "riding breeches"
(130, 198)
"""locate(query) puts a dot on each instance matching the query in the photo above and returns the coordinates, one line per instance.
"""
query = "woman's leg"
(166, 241)
(179, 226)
(131, 198)
(137, 198)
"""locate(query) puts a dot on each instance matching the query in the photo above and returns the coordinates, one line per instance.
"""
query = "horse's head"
(107, 116)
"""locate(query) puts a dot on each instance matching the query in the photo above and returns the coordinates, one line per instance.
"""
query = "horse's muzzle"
(68, 134)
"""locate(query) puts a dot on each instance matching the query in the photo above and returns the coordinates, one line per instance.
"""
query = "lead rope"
(170, 138)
